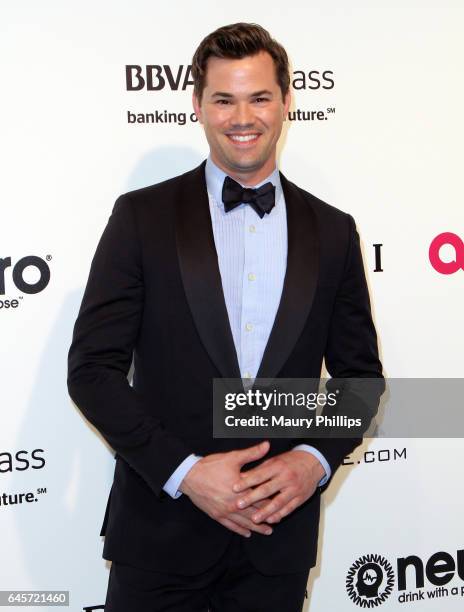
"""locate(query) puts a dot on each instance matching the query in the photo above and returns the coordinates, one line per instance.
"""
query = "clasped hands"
(252, 500)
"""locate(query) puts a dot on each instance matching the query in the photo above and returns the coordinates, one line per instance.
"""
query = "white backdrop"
(389, 151)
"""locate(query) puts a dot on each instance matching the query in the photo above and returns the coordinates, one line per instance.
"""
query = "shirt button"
(248, 326)
(251, 276)
(247, 375)
(252, 229)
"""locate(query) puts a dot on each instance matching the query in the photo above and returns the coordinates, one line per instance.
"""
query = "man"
(226, 271)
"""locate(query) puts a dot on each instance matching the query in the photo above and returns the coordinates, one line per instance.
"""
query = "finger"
(285, 511)
(274, 506)
(259, 493)
(247, 523)
(251, 511)
(235, 528)
(255, 477)
(252, 453)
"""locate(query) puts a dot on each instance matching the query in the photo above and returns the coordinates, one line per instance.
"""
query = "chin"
(247, 164)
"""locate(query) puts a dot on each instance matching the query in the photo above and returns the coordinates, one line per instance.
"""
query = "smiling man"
(229, 270)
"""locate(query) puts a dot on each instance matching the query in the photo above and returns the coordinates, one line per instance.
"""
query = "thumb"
(253, 452)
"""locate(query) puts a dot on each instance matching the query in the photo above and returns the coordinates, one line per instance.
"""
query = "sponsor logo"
(165, 117)
(378, 256)
(29, 275)
(14, 499)
(161, 117)
(377, 456)
(314, 79)
(164, 77)
(22, 460)
(156, 77)
(153, 77)
(435, 257)
(370, 581)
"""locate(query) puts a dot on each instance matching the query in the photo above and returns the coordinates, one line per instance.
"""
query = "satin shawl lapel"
(200, 273)
(299, 283)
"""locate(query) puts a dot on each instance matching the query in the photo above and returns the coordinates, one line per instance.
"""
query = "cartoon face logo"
(370, 578)
(369, 581)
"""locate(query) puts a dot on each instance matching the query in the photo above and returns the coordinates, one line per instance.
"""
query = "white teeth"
(244, 138)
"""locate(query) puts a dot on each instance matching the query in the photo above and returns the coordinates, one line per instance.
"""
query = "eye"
(221, 101)
(261, 99)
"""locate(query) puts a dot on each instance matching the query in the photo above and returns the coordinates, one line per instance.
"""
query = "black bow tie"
(262, 200)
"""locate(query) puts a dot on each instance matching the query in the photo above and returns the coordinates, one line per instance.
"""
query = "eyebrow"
(223, 94)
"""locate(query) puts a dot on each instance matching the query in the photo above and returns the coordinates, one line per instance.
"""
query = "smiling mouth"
(243, 139)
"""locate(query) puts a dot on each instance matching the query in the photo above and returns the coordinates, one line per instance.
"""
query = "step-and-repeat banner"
(96, 101)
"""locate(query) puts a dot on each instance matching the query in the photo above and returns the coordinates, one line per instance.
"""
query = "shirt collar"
(215, 180)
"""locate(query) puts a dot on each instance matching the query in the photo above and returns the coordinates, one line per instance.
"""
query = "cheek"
(222, 119)
(215, 122)
(262, 120)
(272, 119)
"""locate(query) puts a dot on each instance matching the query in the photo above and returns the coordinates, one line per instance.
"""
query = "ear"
(197, 108)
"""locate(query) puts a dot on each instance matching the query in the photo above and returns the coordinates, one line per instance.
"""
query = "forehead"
(252, 72)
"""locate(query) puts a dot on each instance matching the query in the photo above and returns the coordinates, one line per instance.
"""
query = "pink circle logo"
(447, 267)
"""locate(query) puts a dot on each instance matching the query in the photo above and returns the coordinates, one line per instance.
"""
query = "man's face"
(242, 112)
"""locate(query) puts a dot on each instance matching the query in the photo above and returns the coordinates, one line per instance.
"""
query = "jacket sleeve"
(101, 355)
(351, 351)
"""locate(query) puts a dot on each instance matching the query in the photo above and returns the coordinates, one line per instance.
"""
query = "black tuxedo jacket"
(154, 295)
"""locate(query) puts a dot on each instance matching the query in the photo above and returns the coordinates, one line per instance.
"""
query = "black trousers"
(231, 585)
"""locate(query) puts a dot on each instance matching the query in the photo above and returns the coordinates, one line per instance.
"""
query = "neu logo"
(447, 267)
(371, 578)
(18, 274)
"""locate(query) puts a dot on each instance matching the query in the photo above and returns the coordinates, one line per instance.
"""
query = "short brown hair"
(235, 41)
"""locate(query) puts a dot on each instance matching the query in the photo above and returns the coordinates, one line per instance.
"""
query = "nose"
(243, 115)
